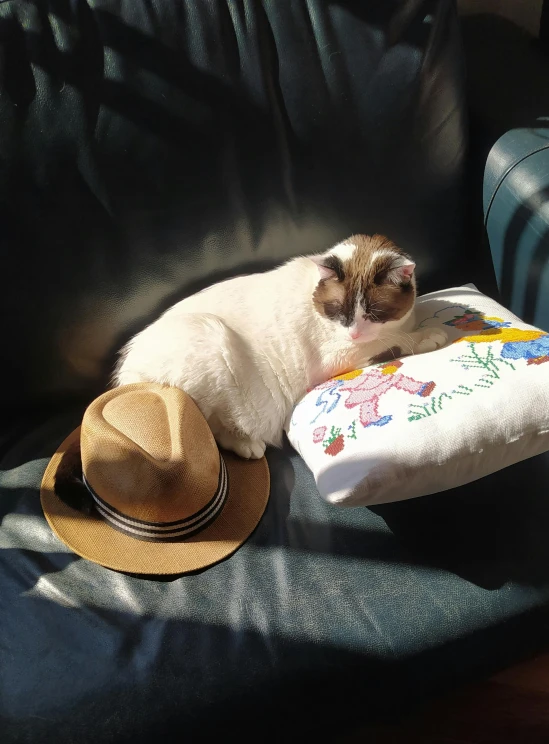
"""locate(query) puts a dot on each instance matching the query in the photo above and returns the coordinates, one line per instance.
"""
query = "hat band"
(166, 531)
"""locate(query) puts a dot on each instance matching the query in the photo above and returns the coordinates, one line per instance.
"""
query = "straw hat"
(166, 500)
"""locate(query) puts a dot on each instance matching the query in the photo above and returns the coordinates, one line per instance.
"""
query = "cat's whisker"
(399, 338)
(389, 343)
(391, 350)
(263, 341)
(410, 341)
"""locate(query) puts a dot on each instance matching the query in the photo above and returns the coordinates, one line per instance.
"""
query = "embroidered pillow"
(426, 423)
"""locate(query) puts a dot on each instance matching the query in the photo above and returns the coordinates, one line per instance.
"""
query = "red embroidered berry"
(427, 389)
(335, 447)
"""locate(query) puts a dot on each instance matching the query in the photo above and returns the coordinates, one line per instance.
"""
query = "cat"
(247, 349)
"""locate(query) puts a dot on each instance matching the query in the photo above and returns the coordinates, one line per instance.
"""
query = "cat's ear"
(329, 267)
(401, 271)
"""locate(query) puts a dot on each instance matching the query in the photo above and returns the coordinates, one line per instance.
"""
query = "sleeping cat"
(247, 349)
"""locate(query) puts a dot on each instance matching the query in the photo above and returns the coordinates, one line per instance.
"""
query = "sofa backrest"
(148, 149)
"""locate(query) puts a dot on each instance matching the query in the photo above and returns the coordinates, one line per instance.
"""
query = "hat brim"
(91, 537)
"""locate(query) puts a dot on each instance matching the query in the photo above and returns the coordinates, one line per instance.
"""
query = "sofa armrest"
(516, 214)
(507, 72)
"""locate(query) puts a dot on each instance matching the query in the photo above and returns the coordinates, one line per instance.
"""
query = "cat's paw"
(249, 449)
(434, 338)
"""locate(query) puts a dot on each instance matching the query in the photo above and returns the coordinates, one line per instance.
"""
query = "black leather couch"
(147, 149)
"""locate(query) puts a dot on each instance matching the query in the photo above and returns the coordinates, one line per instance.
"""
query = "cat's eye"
(334, 264)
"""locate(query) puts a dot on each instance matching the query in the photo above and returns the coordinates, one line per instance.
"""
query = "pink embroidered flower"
(318, 434)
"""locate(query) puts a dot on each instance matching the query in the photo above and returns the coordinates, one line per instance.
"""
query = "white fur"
(344, 250)
(247, 349)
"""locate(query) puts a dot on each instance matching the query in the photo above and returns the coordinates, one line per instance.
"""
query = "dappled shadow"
(537, 265)
(150, 161)
(491, 532)
(325, 617)
(182, 674)
(500, 57)
(149, 169)
(294, 640)
(525, 301)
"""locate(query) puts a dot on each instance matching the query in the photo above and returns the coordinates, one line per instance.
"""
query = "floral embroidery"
(472, 320)
(330, 389)
(363, 390)
(435, 404)
(436, 316)
(535, 351)
(532, 345)
(493, 347)
(349, 375)
(335, 443)
(368, 389)
(489, 363)
(516, 343)
(318, 434)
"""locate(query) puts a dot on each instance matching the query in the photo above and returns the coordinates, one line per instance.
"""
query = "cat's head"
(366, 283)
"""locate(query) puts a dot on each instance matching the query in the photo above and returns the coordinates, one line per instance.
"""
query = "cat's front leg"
(401, 344)
(428, 339)
(249, 449)
(419, 341)
(243, 446)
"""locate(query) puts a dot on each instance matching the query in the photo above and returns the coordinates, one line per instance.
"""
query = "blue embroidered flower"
(538, 347)
(381, 421)
(327, 405)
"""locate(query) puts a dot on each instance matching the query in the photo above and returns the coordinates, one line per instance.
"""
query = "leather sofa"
(509, 99)
(152, 147)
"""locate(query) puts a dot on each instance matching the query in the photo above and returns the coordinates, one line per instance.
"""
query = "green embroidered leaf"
(420, 411)
(463, 390)
(334, 434)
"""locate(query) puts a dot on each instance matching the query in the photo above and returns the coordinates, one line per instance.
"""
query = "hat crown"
(148, 453)
(151, 454)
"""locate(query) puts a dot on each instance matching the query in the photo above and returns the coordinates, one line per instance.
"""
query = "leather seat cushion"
(327, 617)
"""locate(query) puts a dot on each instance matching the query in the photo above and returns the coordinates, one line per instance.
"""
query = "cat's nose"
(354, 333)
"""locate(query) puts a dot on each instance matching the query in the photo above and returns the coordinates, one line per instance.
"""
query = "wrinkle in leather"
(147, 149)
(151, 148)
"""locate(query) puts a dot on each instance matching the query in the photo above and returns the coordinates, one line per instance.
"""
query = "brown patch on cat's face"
(365, 283)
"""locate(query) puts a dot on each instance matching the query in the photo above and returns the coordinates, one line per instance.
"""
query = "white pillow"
(433, 421)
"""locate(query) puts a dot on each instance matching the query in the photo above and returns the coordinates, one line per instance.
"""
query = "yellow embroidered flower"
(349, 375)
(505, 335)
